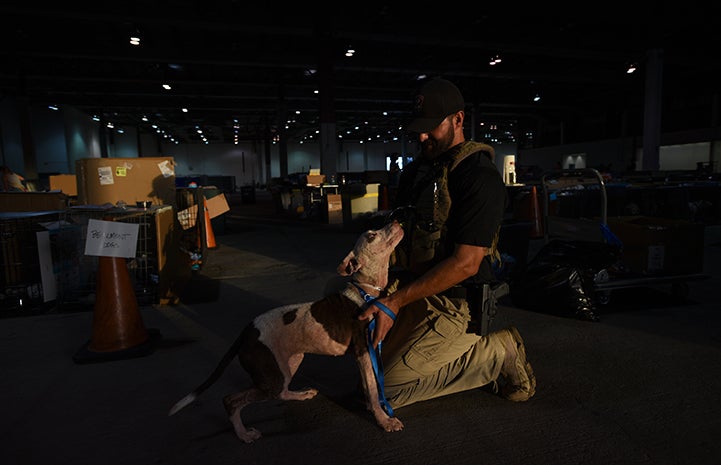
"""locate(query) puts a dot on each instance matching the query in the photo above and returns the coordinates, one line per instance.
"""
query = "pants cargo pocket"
(427, 354)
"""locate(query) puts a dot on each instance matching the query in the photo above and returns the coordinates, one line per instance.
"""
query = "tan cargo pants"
(428, 353)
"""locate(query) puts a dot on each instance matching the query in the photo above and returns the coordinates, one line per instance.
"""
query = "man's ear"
(349, 265)
(459, 117)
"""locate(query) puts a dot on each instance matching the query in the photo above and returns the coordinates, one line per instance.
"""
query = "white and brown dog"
(272, 346)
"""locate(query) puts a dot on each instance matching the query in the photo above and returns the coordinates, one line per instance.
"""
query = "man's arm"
(445, 274)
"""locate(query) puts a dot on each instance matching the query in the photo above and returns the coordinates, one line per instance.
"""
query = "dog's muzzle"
(404, 215)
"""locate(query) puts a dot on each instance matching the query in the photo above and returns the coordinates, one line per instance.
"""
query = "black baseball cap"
(436, 99)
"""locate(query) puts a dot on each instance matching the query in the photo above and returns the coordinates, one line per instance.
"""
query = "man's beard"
(432, 147)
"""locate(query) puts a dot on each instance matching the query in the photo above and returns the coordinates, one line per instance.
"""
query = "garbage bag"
(559, 280)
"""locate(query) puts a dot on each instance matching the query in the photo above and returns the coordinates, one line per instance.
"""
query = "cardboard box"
(335, 208)
(32, 201)
(111, 180)
(217, 205)
(359, 200)
(65, 183)
(315, 179)
(660, 246)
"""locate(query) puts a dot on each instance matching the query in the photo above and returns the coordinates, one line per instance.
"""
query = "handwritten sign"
(111, 239)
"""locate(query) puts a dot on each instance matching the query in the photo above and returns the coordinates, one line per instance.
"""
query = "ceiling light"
(631, 68)
(135, 36)
(167, 86)
(536, 98)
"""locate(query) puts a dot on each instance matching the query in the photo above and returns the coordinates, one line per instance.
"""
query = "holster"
(482, 303)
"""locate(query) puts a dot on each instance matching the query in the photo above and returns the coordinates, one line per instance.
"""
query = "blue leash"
(375, 354)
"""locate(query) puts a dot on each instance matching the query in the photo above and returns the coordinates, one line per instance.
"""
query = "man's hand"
(384, 323)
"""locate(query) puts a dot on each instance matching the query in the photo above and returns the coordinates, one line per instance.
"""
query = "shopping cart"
(575, 208)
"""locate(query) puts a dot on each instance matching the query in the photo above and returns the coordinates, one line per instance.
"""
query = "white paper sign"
(45, 258)
(105, 175)
(111, 239)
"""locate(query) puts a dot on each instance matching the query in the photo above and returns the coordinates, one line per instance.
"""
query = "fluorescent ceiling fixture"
(134, 40)
(167, 86)
(53, 107)
(631, 68)
(185, 110)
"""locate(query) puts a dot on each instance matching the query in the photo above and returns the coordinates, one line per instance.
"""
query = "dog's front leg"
(370, 387)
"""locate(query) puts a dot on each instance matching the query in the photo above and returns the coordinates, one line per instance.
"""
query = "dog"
(272, 346)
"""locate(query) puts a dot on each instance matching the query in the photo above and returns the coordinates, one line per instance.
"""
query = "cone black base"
(85, 355)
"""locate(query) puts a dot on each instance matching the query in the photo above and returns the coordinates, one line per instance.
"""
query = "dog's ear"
(349, 265)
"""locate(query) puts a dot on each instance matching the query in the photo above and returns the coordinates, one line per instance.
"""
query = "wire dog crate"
(43, 264)
(27, 279)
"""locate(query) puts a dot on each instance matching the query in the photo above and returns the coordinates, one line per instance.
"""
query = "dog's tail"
(219, 369)
(182, 403)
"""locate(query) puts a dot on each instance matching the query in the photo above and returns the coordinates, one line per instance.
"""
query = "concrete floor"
(641, 386)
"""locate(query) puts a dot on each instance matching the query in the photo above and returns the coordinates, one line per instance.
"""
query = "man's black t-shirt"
(478, 201)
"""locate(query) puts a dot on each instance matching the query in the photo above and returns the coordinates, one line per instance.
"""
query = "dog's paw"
(392, 424)
(250, 435)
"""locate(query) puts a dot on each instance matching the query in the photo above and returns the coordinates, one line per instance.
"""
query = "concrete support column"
(30, 163)
(652, 110)
(328, 142)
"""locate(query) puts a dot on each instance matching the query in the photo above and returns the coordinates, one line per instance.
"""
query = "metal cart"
(575, 207)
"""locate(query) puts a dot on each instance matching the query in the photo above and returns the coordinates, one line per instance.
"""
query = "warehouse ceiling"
(253, 72)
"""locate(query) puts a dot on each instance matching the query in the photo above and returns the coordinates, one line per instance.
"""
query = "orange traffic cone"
(536, 215)
(209, 235)
(118, 331)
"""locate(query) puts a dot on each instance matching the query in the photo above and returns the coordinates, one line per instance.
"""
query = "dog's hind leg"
(289, 371)
(304, 394)
(234, 403)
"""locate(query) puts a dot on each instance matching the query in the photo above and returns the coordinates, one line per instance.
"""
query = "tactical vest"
(428, 202)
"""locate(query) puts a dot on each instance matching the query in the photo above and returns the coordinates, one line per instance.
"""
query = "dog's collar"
(357, 294)
(372, 300)
(375, 288)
